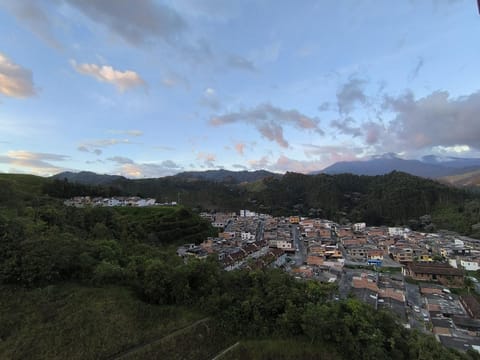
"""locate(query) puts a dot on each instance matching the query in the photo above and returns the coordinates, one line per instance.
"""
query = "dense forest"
(94, 283)
(393, 199)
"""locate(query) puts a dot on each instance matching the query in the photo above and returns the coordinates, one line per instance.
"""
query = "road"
(414, 299)
(300, 248)
(259, 234)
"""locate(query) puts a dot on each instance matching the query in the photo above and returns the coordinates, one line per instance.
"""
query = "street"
(300, 248)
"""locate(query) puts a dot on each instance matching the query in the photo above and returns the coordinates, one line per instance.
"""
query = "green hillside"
(393, 199)
(100, 283)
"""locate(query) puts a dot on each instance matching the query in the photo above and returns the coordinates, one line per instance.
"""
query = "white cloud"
(129, 168)
(131, 132)
(94, 145)
(123, 80)
(33, 162)
(452, 149)
(210, 99)
(15, 81)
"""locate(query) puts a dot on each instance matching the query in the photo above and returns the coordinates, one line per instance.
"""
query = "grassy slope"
(281, 350)
(466, 179)
(27, 183)
(77, 322)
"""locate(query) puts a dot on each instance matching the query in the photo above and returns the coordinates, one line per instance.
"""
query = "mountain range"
(430, 166)
(453, 170)
(217, 176)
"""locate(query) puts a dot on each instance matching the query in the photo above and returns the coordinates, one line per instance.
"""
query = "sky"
(147, 88)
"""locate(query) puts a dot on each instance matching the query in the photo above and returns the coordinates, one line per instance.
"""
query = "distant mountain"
(227, 176)
(88, 178)
(429, 167)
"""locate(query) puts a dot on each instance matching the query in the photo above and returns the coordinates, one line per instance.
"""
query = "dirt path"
(125, 354)
(219, 356)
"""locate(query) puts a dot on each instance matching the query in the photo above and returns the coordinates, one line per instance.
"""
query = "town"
(426, 279)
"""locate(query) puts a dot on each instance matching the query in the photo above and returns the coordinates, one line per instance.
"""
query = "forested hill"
(393, 199)
(95, 283)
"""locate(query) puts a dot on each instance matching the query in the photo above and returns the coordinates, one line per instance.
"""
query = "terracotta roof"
(441, 331)
(472, 305)
(434, 269)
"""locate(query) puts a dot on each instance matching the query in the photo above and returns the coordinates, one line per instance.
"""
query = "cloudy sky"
(148, 88)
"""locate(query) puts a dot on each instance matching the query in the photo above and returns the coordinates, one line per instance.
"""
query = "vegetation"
(96, 282)
(70, 321)
(393, 199)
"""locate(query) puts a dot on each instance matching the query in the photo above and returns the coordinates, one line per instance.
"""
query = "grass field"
(77, 322)
(280, 350)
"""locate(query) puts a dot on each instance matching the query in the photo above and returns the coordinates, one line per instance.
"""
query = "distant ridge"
(226, 176)
(88, 177)
(429, 167)
(469, 179)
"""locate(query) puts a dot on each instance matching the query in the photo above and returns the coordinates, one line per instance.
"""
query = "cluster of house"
(333, 253)
(135, 201)
(278, 233)
(239, 245)
(320, 238)
(381, 291)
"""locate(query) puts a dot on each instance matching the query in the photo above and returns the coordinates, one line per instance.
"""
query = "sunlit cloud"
(452, 149)
(208, 159)
(129, 168)
(258, 164)
(15, 81)
(33, 162)
(285, 163)
(122, 80)
(240, 148)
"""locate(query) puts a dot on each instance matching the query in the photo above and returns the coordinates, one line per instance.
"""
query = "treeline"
(64, 189)
(393, 199)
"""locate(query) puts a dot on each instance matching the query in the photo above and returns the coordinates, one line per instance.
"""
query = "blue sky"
(150, 88)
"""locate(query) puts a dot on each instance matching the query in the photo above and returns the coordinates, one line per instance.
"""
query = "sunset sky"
(147, 88)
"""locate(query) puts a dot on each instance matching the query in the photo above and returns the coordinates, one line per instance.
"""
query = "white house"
(359, 226)
(470, 265)
(247, 236)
